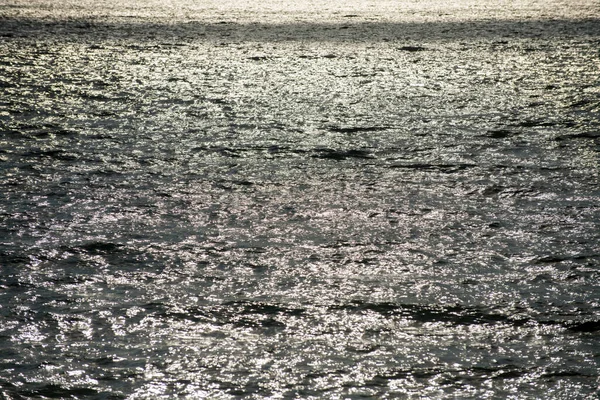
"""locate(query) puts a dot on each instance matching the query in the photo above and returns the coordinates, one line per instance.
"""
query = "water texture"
(305, 200)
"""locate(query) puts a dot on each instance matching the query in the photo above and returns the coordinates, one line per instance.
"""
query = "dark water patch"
(250, 307)
(382, 379)
(251, 150)
(47, 126)
(452, 376)
(541, 278)
(255, 250)
(510, 374)
(582, 135)
(517, 168)
(222, 151)
(55, 154)
(97, 248)
(307, 56)
(37, 132)
(473, 375)
(582, 276)
(54, 391)
(585, 104)
(444, 168)
(9, 391)
(258, 58)
(501, 133)
(242, 183)
(555, 259)
(12, 282)
(12, 133)
(232, 184)
(141, 30)
(456, 315)
(11, 257)
(228, 152)
(108, 172)
(356, 129)
(237, 313)
(535, 123)
(565, 373)
(363, 349)
(412, 49)
(584, 327)
(341, 154)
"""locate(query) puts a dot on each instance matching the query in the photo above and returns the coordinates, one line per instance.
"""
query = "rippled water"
(353, 200)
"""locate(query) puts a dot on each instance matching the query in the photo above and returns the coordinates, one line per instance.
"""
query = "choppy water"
(353, 200)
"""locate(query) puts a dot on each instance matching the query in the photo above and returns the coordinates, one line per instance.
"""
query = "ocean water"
(299, 200)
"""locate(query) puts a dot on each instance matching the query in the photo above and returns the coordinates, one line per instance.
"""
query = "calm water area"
(299, 200)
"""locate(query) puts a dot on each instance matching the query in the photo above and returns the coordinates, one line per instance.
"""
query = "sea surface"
(299, 199)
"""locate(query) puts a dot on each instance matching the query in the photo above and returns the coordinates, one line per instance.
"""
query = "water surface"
(353, 200)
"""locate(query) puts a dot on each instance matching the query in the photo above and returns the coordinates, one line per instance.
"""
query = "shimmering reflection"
(272, 200)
